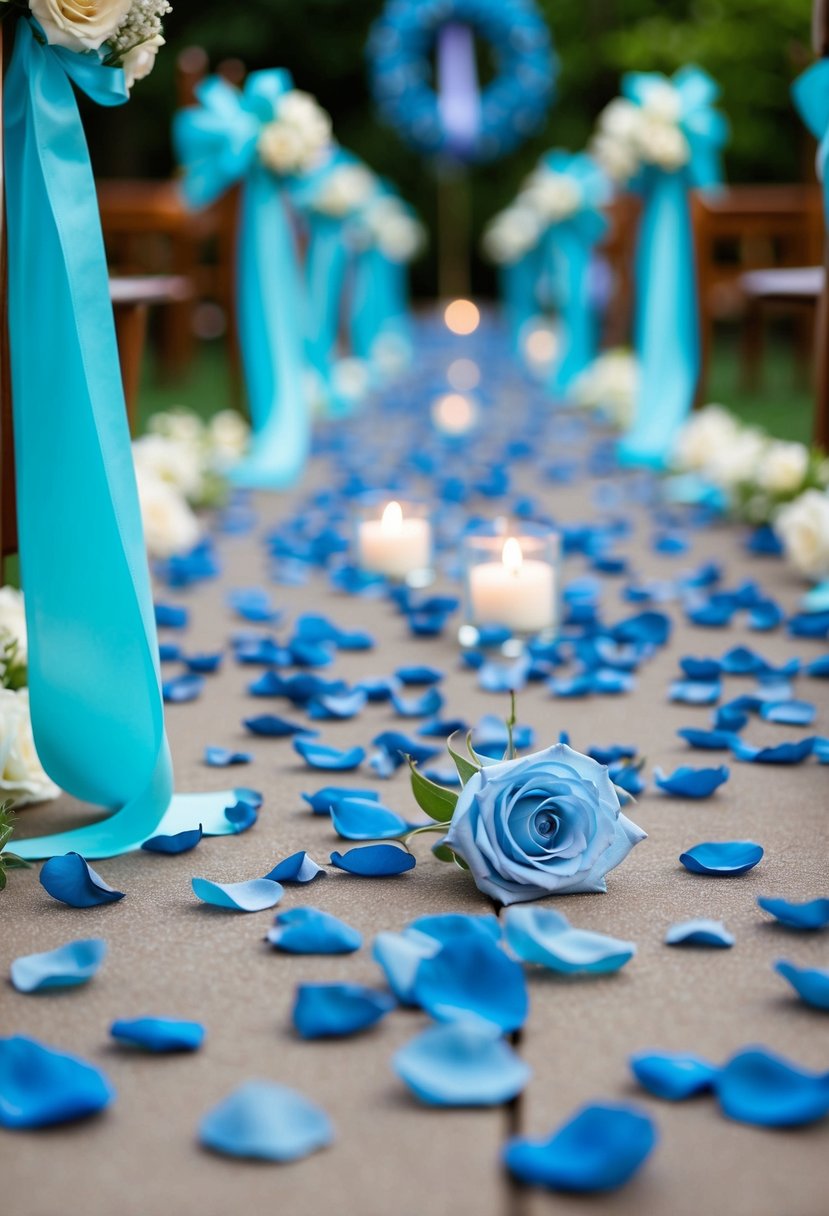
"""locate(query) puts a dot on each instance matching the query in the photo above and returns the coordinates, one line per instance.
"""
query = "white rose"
(351, 379)
(803, 527)
(555, 196)
(345, 189)
(173, 461)
(228, 436)
(170, 527)
(512, 234)
(620, 120)
(617, 157)
(298, 136)
(783, 467)
(139, 61)
(736, 462)
(398, 235)
(663, 144)
(705, 431)
(610, 384)
(179, 424)
(13, 619)
(21, 773)
(281, 147)
(662, 100)
(80, 25)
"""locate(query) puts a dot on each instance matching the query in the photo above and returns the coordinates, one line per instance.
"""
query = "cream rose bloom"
(345, 189)
(737, 462)
(610, 384)
(139, 61)
(783, 468)
(174, 461)
(803, 527)
(80, 25)
(703, 434)
(617, 157)
(555, 196)
(512, 234)
(298, 135)
(170, 527)
(22, 776)
(227, 435)
(180, 424)
(662, 144)
(13, 619)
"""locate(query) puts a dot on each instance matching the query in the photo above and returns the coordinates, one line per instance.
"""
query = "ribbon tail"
(326, 269)
(368, 303)
(518, 284)
(667, 328)
(577, 317)
(271, 305)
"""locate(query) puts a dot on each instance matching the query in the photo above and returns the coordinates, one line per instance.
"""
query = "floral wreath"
(512, 105)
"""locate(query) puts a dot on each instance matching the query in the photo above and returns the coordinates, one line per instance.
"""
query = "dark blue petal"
(612, 754)
(222, 757)
(808, 916)
(727, 858)
(171, 616)
(810, 984)
(354, 819)
(758, 1087)
(672, 1076)
(819, 668)
(809, 624)
(463, 1064)
(699, 932)
(253, 604)
(159, 1034)
(299, 868)
(599, 1149)
(686, 782)
(66, 967)
(253, 896)
(781, 753)
(420, 674)
(322, 802)
(169, 652)
(204, 664)
(707, 740)
(399, 746)
(73, 881)
(337, 1010)
(374, 861)
(310, 931)
(181, 689)
(267, 1122)
(316, 755)
(707, 670)
(40, 1087)
(241, 816)
(473, 976)
(180, 842)
(273, 727)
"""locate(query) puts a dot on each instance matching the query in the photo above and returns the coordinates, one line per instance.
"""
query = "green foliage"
(436, 801)
(8, 861)
(13, 670)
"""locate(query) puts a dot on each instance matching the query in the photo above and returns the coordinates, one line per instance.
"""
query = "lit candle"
(395, 545)
(513, 592)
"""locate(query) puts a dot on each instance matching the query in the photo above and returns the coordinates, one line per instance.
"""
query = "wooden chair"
(617, 249)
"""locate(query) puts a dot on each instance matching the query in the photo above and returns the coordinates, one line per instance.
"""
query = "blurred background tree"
(754, 48)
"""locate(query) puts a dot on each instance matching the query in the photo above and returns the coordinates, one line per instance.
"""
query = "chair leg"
(752, 339)
(131, 332)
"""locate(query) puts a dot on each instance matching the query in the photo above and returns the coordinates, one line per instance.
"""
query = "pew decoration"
(99, 728)
(810, 93)
(663, 137)
(262, 138)
(459, 121)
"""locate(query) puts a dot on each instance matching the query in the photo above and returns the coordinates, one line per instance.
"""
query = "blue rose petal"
(273, 727)
(356, 819)
(426, 705)
(819, 668)
(181, 689)
(419, 675)
(204, 664)
(545, 937)
(253, 896)
(695, 692)
(298, 868)
(812, 915)
(687, 782)
(41, 1087)
(322, 801)
(253, 604)
(727, 858)
(66, 967)
(267, 1122)
(337, 1010)
(160, 1035)
(338, 708)
(399, 955)
(699, 932)
(374, 861)
(179, 842)
(707, 670)
(781, 753)
(448, 926)
(789, 713)
(599, 1149)
(471, 976)
(171, 616)
(462, 1064)
(758, 1087)
(316, 755)
(810, 984)
(311, 931)
(707, 740)
(672, 1075)
(72, 880)
(223, 757)
(241, 816)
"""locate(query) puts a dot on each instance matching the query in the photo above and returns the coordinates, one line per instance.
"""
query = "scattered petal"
(810, 984)
(707, 740)
(40, 1087)
(181, 689)
(695, 692)
(66, 967)
(159, 1035)
(266, 1121)
(472, 976)
(374, 861)
(322, 802)
(699, 932)
(180, 842)
(299, 868)
(814, 914)
(782, 753)
(671, 1075)
(419, 675)
(426, 705)
(171, 616)
(241, 816)
(338, 1010)
(545, 937)
(204, 664)
(687, 782)
(357, 819)
(310, 931)
(758, 1087)
(399, 955)
(72, 880)
(317, 756)
(727, 858)
(252, 896)
(273, 727)
(222, 757)
(462, 1064)
(789, 713)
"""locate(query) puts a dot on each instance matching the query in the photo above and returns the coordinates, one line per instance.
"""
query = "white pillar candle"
(513, 592)
(394, 545)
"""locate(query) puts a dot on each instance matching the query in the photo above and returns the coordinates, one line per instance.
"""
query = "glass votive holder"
(512, 580)
(393, 537)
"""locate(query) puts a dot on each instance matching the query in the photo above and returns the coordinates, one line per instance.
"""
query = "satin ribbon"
(370, 301)
(93, 655)
(216, 143)
(810, 93)
(568, 251)
(517, 286)
(666, 336)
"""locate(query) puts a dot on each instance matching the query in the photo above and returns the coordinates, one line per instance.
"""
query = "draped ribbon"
(666, 335)
(810, 93)
(217, 145)
(371, 302)
(568, 253)
(93, 656)
(517, 287)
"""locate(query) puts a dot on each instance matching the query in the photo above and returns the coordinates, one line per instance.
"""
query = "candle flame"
(392, 518)
(511, 555)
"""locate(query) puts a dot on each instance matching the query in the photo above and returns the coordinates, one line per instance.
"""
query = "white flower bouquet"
(298, 137)
(609, 386)
(630, 137)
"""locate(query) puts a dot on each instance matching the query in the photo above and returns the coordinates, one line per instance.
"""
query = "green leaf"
(465, 768)
(432, 798)
(444, 853)
(13, 862)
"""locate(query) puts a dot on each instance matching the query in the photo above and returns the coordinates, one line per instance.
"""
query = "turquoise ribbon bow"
(667, 322)
(810, 93)
(217, 144)
(568, 252)
(94, 680)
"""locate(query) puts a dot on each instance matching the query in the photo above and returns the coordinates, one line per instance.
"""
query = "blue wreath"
(512, 106)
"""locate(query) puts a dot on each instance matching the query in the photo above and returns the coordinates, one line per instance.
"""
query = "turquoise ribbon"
(568, 251)
(370, 302)
(517, 287)
(93, 656)
(666, 335)
(217, 144)
(810, 93)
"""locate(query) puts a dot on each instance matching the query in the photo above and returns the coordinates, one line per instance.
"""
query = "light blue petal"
(323, 800)
(40, 1087)
(814, 914)
(687, 782)
(374, 861)
(462, 1064)
(399, 955)
(789, 713)
(472, 977)
(810, 984)
(671, 1075)
(758, 1087)
(159, 1035)
(253, 896)
(222, 757)
(72, 880)
(266, 1121)
(66, 967)
(310, 931)
(699, 932)
(545, 937)
(727, 858)
(447, 926)
(299, 868)
(355, 819)
(338, 1010)
(181, 689)
(317, 756)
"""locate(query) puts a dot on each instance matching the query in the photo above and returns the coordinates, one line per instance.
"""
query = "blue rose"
(547, 824)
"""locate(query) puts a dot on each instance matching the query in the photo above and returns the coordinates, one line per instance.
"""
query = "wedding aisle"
(171, 955)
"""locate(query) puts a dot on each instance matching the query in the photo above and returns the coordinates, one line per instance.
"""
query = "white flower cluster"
(297, 137)
(513, 233)
(130, 31)
(21, 774)
(609, 385)
(180, 464)
(553, 196)
(390, 226)
(803, 528)
(345, 190)
(629, 136)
